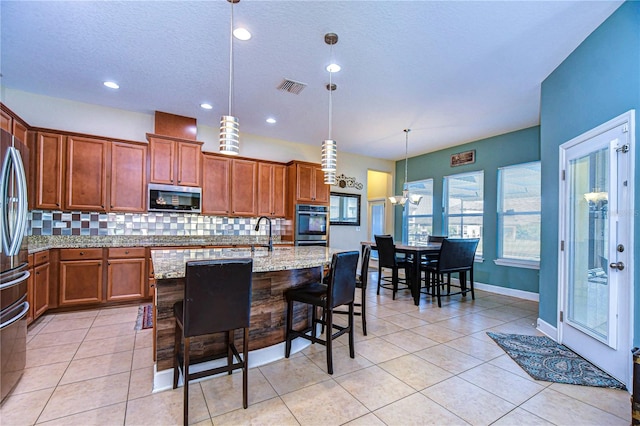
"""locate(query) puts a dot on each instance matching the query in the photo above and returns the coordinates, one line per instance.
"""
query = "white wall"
(62, 114)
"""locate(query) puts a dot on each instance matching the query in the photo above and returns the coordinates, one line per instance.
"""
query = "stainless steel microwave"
(171, 198)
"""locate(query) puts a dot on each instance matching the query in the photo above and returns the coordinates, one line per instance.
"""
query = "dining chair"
(388, 259)
(361, 283)
(456, 255)
(217, 298)
(339, 291)
(431, 258)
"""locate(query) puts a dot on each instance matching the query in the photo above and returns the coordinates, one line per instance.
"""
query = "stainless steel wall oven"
(312, 225)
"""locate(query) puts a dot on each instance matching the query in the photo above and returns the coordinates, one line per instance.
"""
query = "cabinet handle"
(57, 204)
(126, 252)
(81, 253)
(38, 273)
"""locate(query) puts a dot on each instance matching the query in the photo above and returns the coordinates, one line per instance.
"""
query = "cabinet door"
(189, 164)
(279, 190)
(86, 175)
(80, 282)
(305, 182)
(321, 190)
(40, 290)
(19, 130)
(30, 296)
(162, 154)
(128, 177)
(216, 173)
(271, 189)
(244, 174)
(125, 279)
(5, 122)
(48, 175)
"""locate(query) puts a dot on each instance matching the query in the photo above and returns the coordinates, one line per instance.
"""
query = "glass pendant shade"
(329, 155)
(229, 135)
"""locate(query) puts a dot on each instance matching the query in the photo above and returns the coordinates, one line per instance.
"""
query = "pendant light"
(406, 196)
(329, 146)
(229, 125)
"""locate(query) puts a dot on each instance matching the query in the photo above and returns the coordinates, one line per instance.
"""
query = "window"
(463, 200)
(519, 215)
(418, 219)
(344, 209)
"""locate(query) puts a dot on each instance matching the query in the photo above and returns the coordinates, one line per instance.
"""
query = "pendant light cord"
(231, 59)
(330, 94)
(406, 155)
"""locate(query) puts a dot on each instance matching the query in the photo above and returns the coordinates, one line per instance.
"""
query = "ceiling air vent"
(291, 86)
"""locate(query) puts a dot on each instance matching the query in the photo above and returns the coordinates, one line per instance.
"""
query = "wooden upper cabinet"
(216, 176)
(271, 189)
(174, 162)
(19, 130)
(128, 177)
(244, 175)
(307, 180)
(5, 121)
(86, 174)
(49, 171)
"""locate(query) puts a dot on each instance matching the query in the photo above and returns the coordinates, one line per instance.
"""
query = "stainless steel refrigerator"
(15, 270)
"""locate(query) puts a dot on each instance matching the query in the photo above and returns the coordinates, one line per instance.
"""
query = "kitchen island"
(273, 273)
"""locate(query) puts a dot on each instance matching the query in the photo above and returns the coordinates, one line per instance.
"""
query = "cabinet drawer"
(40, 257)
(81, 254)
(126, 252)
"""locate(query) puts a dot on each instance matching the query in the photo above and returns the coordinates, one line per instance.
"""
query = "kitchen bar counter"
(41, 242)
(273, 273)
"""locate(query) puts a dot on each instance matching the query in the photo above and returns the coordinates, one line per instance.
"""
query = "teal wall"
(597, 82)
(522, 146)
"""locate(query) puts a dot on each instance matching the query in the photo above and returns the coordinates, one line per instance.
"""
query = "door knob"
(619, 266)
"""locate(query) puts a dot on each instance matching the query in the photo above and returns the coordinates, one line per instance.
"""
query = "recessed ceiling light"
(205, 106)
(333, 68)
(111, 84)
(242, 34)
(271, 120)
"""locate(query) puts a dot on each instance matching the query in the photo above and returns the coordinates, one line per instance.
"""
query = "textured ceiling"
(452, 71)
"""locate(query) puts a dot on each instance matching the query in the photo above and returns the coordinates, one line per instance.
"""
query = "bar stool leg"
(245, 367)
(186, 380)
(363, 310)
(229, 342)
(176, 349)
(351, 345)
(329, 340)
(287, 348)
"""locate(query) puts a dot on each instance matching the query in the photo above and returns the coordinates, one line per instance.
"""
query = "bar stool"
(339, 291)
(217, 298)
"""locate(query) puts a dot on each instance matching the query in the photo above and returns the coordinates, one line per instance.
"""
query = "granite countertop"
(38, 243)
(171, 263)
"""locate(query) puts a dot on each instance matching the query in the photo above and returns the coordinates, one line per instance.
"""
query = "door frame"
(628, 118)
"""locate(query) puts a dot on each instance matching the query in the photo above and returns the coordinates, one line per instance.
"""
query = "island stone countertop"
(171, 263)
(38, 243)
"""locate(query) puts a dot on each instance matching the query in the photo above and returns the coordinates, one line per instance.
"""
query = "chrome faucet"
(270, 245)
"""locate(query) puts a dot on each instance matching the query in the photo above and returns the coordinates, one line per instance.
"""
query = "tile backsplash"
(79, 223)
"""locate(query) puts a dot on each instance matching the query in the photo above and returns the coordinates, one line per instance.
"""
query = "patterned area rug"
(544, 359)
(145, 317)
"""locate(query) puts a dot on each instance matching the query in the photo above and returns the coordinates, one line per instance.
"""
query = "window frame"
(479, 257)
(405, 210)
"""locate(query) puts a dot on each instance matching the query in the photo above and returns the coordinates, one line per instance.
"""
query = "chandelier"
(406, 196)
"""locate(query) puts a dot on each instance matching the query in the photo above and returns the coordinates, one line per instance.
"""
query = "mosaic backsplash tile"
(152, 223)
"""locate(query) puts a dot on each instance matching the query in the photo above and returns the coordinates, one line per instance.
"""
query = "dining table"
(415, 252)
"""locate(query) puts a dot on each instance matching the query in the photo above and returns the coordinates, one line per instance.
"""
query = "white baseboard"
(547, 329)
(520, 294)
(163, 380)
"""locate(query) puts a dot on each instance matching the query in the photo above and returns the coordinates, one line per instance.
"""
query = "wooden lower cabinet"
(80, 276)
(40, 289)
(126, 274)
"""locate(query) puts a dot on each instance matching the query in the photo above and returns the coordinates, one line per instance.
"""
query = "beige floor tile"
(115, 318)
(224, 393)
(517, 327)
(417, 409)
(614, 401)
(378, 350)
(131, 310)
(503, 315)
(54, 339)
(25, 408)
(374, 387)
(140, 383)
(409, 341)
(406, 321)
(144, 339)
(448, 358)
(270, 412)
(291, 374)
(110, 415)
(66, 325)
(324, 403)
(88, 395)
(366, 420)
(342, 361)
(99, 366)
(63, 316)
(51, 355)
(109, 331)
(93, 348)
(507, 386)
(381, 327)
(469, 323)
(433, 314)
(561, 409)
(38, 378)
(520, 417)
(143, 357)
(205, 422)
(437, 333)
(166, 408)
(415, 371)
(467, 401)
(381, 311)
(486, 351)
